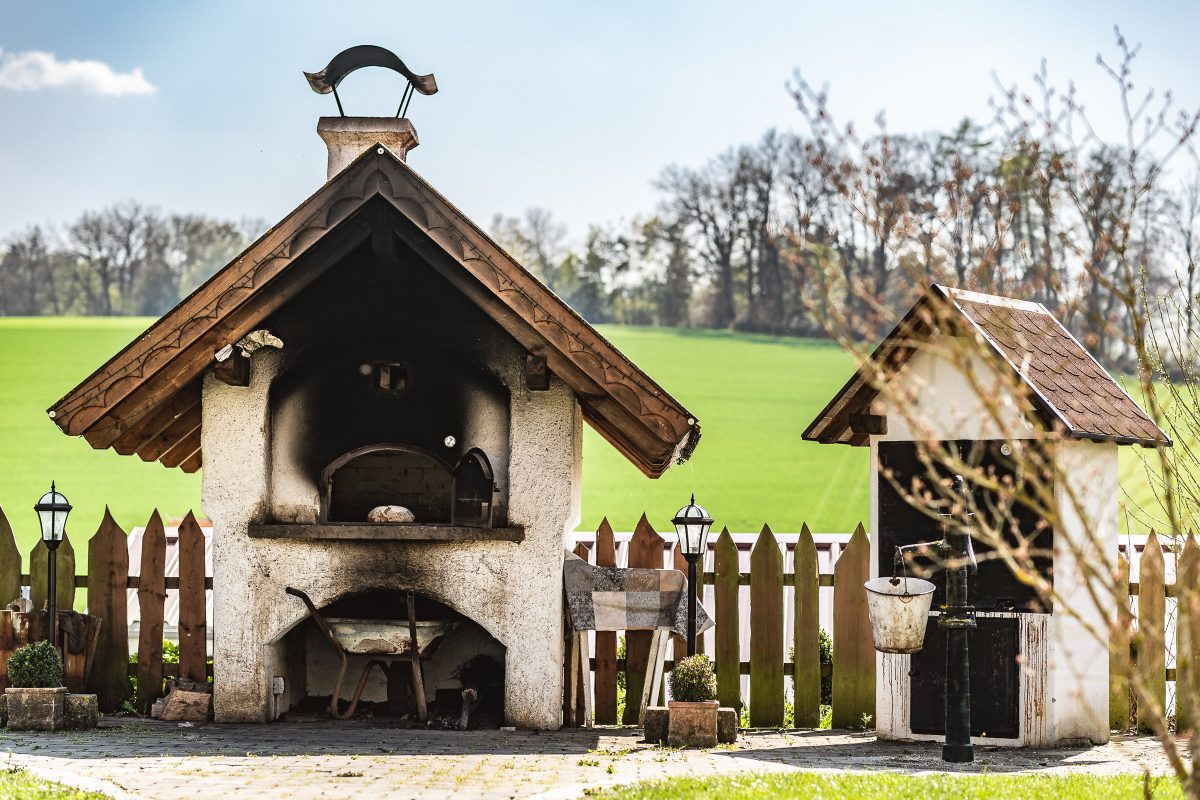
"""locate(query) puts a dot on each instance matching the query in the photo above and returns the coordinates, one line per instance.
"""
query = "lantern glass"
(692, 524)
(52, 511)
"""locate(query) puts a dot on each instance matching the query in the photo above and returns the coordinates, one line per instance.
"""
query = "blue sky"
(575, 107)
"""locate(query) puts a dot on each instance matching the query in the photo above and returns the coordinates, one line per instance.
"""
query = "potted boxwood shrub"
(35, 695)
(692, 714)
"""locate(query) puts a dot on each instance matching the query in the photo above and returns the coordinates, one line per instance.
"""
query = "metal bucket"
(899, 613)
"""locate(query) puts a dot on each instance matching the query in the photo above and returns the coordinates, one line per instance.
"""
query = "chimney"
(348, 137)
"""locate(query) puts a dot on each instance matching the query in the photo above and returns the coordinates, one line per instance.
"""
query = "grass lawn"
(16, 784)
(753, 395)
(890, 786)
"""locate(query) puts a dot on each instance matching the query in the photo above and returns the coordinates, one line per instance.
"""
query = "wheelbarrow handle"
(297, 593)
(316, 615)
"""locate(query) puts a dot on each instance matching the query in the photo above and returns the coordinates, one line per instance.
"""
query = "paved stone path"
(326, 759)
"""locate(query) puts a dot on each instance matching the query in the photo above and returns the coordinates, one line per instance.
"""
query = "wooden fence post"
(152, 595)
(64, 565)
(766, 632)
(853, 651)
(728, 652)
(645, 550)
(1120, 664)
(1151, 640)
(1187, 635)
(806, 648)
(108, 575)
(606, 641)
(10, 563)
(193, 625)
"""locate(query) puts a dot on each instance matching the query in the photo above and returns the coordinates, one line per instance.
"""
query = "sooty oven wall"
(368, 311)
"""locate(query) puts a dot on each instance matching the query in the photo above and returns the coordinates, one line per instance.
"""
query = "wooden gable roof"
(146, 399)
(1066, 386)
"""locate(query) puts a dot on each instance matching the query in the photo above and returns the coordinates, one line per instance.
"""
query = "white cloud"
(35, 70)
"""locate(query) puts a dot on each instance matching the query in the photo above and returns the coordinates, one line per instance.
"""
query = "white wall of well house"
(1063, 675)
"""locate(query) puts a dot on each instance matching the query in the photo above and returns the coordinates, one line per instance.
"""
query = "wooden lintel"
(865, 422)
(233, 371)
(537, 373)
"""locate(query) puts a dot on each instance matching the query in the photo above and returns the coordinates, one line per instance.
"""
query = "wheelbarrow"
(392, 639)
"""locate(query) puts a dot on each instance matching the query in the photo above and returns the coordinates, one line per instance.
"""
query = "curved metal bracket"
(368, 55)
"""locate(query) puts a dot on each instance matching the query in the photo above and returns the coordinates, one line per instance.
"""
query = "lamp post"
(52, 511)
(692, 524)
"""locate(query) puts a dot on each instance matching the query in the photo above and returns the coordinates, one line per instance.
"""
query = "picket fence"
(853, 677)
(1147, 633)
(1142, 642)
(107, 582)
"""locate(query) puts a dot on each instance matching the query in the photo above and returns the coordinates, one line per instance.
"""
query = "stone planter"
(36, 709)
(692, 724)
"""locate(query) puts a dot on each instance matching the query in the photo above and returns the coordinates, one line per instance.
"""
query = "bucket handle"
(899, 561)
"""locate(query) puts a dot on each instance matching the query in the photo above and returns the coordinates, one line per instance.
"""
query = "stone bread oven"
(408, 361)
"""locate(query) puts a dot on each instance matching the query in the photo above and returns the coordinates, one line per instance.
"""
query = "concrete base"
(692, 724)
(35, 709)
(654, 725)
(81, 712)
(727, 725)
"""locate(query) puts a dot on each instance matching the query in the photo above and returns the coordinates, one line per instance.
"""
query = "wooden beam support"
(537, 374)
(192, 463)
(233, 371)
(182, 450)
(153, 448)
(127, 438)
(867, 423)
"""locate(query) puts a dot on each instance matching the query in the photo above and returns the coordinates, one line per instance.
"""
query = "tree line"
(781, 235)
(127, 259)
(767, 236)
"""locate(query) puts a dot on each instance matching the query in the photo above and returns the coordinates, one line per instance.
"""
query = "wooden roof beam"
(183, 449)
(154, 422)
(154, 448)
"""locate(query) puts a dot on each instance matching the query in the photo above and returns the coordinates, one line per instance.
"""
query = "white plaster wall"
(934, 391)
(513, 590)
(1086, 499)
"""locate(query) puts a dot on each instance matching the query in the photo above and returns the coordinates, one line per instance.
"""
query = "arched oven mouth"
(398, 484)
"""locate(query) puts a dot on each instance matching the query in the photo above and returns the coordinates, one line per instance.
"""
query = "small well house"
(382, 402)
(979, 373)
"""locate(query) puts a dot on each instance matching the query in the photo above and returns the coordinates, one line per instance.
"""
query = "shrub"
(35, 666)
(693, 680)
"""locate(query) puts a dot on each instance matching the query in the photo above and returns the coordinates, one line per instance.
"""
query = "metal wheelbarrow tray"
(394, 639)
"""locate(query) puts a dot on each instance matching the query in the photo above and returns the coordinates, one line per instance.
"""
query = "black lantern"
(692, 524)
(52, 511)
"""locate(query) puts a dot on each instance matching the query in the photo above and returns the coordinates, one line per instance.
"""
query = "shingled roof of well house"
(1067, 385)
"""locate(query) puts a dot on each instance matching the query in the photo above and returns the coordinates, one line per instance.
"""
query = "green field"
(753, 395)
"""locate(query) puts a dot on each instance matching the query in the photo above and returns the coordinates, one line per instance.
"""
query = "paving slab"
(330, 759)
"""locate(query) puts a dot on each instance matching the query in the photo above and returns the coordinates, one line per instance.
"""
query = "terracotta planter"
(692, 724)
(36, 709)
